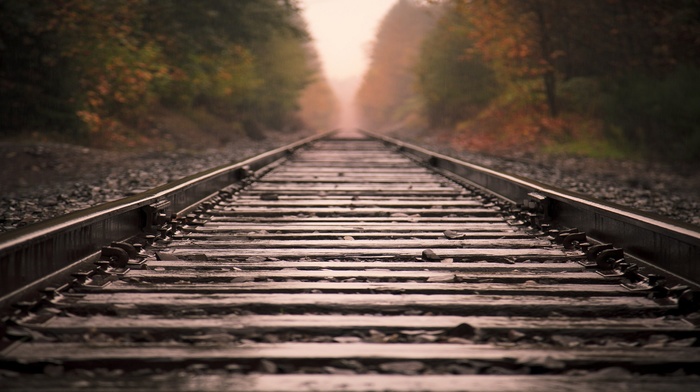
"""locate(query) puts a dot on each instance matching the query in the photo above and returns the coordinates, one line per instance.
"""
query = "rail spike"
(116, 256)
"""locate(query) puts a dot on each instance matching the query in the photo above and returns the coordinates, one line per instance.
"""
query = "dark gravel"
(40, 181)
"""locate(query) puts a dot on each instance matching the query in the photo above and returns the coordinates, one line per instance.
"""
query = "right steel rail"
(664, 246)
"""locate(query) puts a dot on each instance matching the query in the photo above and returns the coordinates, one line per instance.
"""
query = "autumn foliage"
(96, 70)
(385, 96)
(320, 108)
(523, 73)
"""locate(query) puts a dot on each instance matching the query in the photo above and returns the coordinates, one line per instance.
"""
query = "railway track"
(352, 265)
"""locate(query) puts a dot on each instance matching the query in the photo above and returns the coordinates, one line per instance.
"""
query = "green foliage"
(659, 116)
(91, 67)
(208, 26)
(283, 60)
(219, 82)
(581, 95)
(594, 148)
(35, 83)
(453, 83)
(585, 144)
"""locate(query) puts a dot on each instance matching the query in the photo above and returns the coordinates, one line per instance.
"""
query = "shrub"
(659, 116)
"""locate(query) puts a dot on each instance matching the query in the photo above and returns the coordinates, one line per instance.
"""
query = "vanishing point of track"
(352, 265)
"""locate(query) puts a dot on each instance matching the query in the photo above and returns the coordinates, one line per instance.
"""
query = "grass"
(589, 147)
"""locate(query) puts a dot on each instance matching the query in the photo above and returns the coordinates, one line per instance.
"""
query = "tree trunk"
(549, 76)
(550, 87)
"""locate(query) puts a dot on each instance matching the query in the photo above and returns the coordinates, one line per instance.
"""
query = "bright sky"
(342, 31)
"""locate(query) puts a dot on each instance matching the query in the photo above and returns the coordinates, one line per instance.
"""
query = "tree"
(319, 107)
(453, 80)
(516, 37)
(284, 67)
(387, 89)
(610, 62)
(101, 66)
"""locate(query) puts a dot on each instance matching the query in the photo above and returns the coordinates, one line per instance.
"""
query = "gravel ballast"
(667, 190)
(39, 181)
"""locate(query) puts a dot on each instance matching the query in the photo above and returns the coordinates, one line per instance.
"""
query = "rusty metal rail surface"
(349, 266)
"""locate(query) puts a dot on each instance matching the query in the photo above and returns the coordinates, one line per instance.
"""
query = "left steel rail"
(36, 254)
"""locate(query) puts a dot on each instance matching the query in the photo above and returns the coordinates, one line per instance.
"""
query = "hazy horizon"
(343, 32)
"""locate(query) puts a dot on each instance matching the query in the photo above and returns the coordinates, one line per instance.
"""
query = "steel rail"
(666, 246)
(31, 255)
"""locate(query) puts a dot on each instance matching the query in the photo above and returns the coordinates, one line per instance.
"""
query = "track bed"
(351, 267)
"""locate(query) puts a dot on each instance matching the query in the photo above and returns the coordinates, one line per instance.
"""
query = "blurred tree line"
(92, 69)
(612, 74)
(386, 93)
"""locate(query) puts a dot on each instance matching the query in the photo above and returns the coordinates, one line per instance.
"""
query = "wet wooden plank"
(155, 353)
(282, 198)
(353, 303)
(388, 179)
(334, 234)
(396, 217)
(222, 226)
(397, 176)
(331, 191)
(480, 267)
(252, 195)
(340, 177)
(354, 203)
(443, 287)
(301, 170)
(348, 155)
(502, 276)
(413, 189)
(364, 382)
(374, 151)
(305, 170)
(468, 223)
(350, 159)
(358, 165)
(362, 189)
(361, 158)
(357, 212)
(332, 324)
(491, 243)
(340, 180)
(469, 253)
